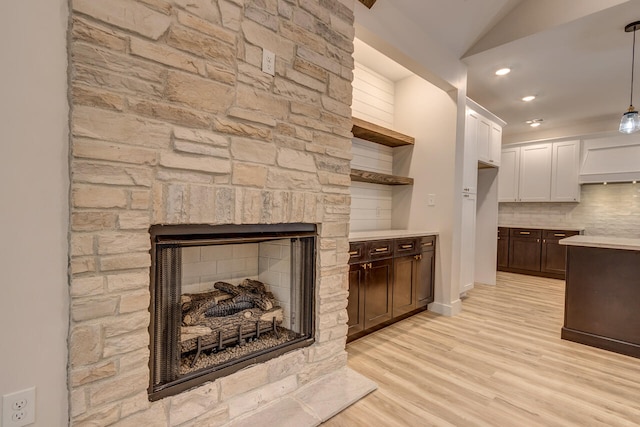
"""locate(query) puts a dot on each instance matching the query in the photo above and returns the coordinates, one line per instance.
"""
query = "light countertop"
(544, 227)
(603, 242)
(359, 236)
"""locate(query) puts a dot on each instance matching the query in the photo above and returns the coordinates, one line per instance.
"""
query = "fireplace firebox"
(224, 297)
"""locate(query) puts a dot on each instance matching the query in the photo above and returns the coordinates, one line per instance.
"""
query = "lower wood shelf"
(379, 178)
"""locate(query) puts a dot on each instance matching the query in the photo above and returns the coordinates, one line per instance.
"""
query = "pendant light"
(630, 122)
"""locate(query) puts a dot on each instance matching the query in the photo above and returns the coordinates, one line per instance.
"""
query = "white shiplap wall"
(373, 100)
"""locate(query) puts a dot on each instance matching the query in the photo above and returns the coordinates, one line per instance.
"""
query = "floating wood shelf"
(379, 178)
(380, 135)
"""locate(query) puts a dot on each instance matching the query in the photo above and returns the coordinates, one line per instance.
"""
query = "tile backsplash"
(612, 210)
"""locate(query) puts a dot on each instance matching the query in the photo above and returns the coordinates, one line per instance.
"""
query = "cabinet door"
(470, 164)
(503, 247)
(525, 249)
(468, 243)
(426, 271)
(495, 145)
(404, 284)
(484, 139)
(355, 306)
(509, 175)
(554, 255)
(378, 292)
(535, 173)
(564, 172)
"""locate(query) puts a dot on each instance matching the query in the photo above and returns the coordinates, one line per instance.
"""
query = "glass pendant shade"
(630, 122)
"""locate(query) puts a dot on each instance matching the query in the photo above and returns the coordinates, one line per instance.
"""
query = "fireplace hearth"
(225, 297)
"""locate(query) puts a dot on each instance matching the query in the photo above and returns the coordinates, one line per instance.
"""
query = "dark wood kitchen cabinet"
(524, 249)
(388, 280)
(533, 251)
(503, 247)
(553, 257)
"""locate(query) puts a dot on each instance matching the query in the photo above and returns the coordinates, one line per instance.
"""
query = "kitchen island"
(602, 299)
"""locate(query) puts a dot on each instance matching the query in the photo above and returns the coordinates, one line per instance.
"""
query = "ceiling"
(574, 55)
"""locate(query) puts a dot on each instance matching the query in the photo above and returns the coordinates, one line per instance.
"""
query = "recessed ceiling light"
(503, 71)
(534, 123)
(529, 98)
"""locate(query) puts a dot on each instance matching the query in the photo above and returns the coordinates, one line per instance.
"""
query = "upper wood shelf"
(380, 135)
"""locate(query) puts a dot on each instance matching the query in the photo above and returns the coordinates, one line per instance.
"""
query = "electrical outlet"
(268, 62)
(19, 408)
(431, 199)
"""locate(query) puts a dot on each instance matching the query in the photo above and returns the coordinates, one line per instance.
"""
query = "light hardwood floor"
(501, 362)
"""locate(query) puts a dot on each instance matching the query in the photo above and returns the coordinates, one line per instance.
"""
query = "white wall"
(430, 115)
(34, 204)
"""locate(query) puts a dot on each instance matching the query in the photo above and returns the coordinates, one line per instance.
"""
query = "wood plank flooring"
(501, 362)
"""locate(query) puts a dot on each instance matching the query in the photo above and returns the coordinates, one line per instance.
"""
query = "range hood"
(613, 159)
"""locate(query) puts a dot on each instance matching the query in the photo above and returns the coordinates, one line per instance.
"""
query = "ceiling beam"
(368, 3)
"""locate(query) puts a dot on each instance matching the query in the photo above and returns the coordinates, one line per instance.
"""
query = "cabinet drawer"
(356, 252)
(558, 234)
(427, 243)
(526, 232)
(408, 246)
(380, 249)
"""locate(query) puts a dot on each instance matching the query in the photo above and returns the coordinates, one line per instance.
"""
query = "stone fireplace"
(173, 123)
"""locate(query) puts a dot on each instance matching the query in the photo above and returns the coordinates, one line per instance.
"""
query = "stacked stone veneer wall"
(172, 122)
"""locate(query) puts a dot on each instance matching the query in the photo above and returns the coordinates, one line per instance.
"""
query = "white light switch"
(268, 62)
(431, 199)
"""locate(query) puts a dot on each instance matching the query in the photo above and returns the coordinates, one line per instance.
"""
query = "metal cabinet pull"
(386, 248)
(406, 246)
(418, 257)
(352, 253)
(525, 232)
(559, 234)
(427, 244)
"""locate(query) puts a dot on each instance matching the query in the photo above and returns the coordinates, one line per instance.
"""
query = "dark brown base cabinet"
(533, 251)
(388, 281)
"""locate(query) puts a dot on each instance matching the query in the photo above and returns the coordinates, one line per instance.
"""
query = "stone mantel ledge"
(624, 243)
(545, 227)
(359, 236)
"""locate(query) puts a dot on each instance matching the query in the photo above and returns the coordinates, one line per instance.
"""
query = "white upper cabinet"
(564, 173)
(470, 166)
(545, 172)
(535, 173)
(489, 142)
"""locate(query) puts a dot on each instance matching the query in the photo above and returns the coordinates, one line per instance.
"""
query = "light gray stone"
(85, 345)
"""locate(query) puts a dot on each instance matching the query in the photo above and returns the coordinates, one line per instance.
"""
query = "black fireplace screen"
(225, 297)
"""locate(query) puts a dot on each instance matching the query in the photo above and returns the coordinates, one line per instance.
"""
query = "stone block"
(207, 27)
(321, 60)
(133, 220)
(134, 359)
(220, 74)
(252, 116)
(120, 243)
(199, 93)
(125, 343)
(253, 76)
(294, 159)
(217, 416)
(339, 179)
(93, 308)
(231, 14)
(102, 416)
(120, 325)
(343, 23)
(252, 150)
(261, 16)
(85, 345)
(92, 373)
(258, 35)
(77, 402)
(120, 387)
(329, 334)
(250, 98)
(254, 399)
(93, 221)
(201, 45)
(99, 150)
(170, 113)
(85, 95)
(336, 106)
(85, 286)
(294, 91)
(242, 381)
(117, 283)
(117, 82)
(127, 14)
(134, 301)
(302, 36)
(84, 30)
(193, 404)
(124, 262)
(205, 9)
(289, 180)
(94, 196)
(201, 204)
(138, 403)
(166, 55)
(194, 163)
(140, 199)
(249, 174)
(310, 69)
(80, 265)
(125, 128)
(200, 149)
(316, 370)
(200, 135)
(233, 127)
(286, 365)
(111, 174)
